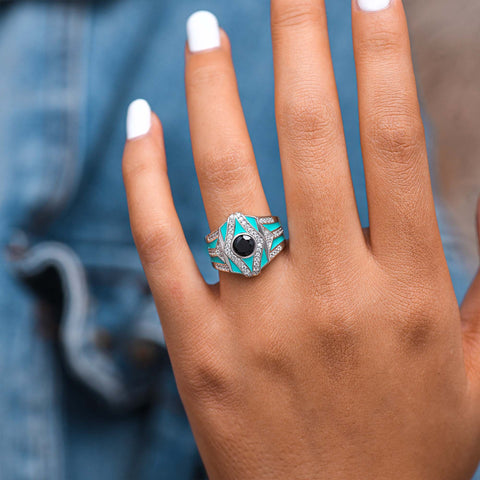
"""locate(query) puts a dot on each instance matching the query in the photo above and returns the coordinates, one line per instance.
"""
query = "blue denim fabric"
(87, 390)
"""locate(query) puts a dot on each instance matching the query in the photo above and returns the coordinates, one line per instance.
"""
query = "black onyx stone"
(244, 245)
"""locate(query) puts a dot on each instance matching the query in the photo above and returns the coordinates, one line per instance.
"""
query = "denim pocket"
(108, 329)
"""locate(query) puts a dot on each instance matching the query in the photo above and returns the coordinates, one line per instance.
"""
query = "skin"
(348, 357)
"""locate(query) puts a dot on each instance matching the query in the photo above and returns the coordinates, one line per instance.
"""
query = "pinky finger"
(176, 283)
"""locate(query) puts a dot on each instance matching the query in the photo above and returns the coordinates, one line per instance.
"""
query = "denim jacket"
(86, 387)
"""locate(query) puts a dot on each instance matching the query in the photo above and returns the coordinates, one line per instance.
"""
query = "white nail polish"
(373, 5)
(203, 32)
(139, 119)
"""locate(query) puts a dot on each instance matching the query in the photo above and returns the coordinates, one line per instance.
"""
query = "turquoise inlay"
(212, 244)
(235, 268)
(253, 222)
(272, 226)
(238, 228)
(277, 241)
(264, 258)
(217, 260)
(249, 262)
(223, 230)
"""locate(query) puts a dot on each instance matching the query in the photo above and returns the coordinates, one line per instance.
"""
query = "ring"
(245, 244)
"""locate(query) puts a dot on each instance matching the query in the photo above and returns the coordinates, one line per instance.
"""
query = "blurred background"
(445, 39)
(86, 389)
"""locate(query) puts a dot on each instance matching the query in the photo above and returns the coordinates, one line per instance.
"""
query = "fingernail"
(203, 32)
(139, 119)
(373, 5)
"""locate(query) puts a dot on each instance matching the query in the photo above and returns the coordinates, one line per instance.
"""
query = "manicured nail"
(139, 119)
(203, 32)
(373, 5)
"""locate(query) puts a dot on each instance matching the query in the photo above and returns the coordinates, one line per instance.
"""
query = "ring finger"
(223, 153)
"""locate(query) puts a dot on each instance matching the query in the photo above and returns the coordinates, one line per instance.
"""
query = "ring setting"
(245, 244)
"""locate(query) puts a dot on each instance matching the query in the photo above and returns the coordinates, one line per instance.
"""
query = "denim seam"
(68, 33)
(94, 371)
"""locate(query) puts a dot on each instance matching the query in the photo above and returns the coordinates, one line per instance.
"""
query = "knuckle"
(417, 326)
(416, 332)
(304, 116)
(286, 14)
(268, 347)
(209, 75)
(379, 44)
(210, 380)
(141, 164)
(227, 166)
(270, 353)
(397, 136)
(155, 243)
(418, 314)
(338, 344)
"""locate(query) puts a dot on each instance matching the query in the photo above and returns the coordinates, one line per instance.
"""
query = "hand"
(348, 357)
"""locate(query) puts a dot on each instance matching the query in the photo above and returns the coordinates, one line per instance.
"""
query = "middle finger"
(321, 207)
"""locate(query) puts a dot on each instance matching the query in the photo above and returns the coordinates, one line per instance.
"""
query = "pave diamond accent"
(268, 220)
(278, 232)
(223, 267)
(211, 236)
(277, 250)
